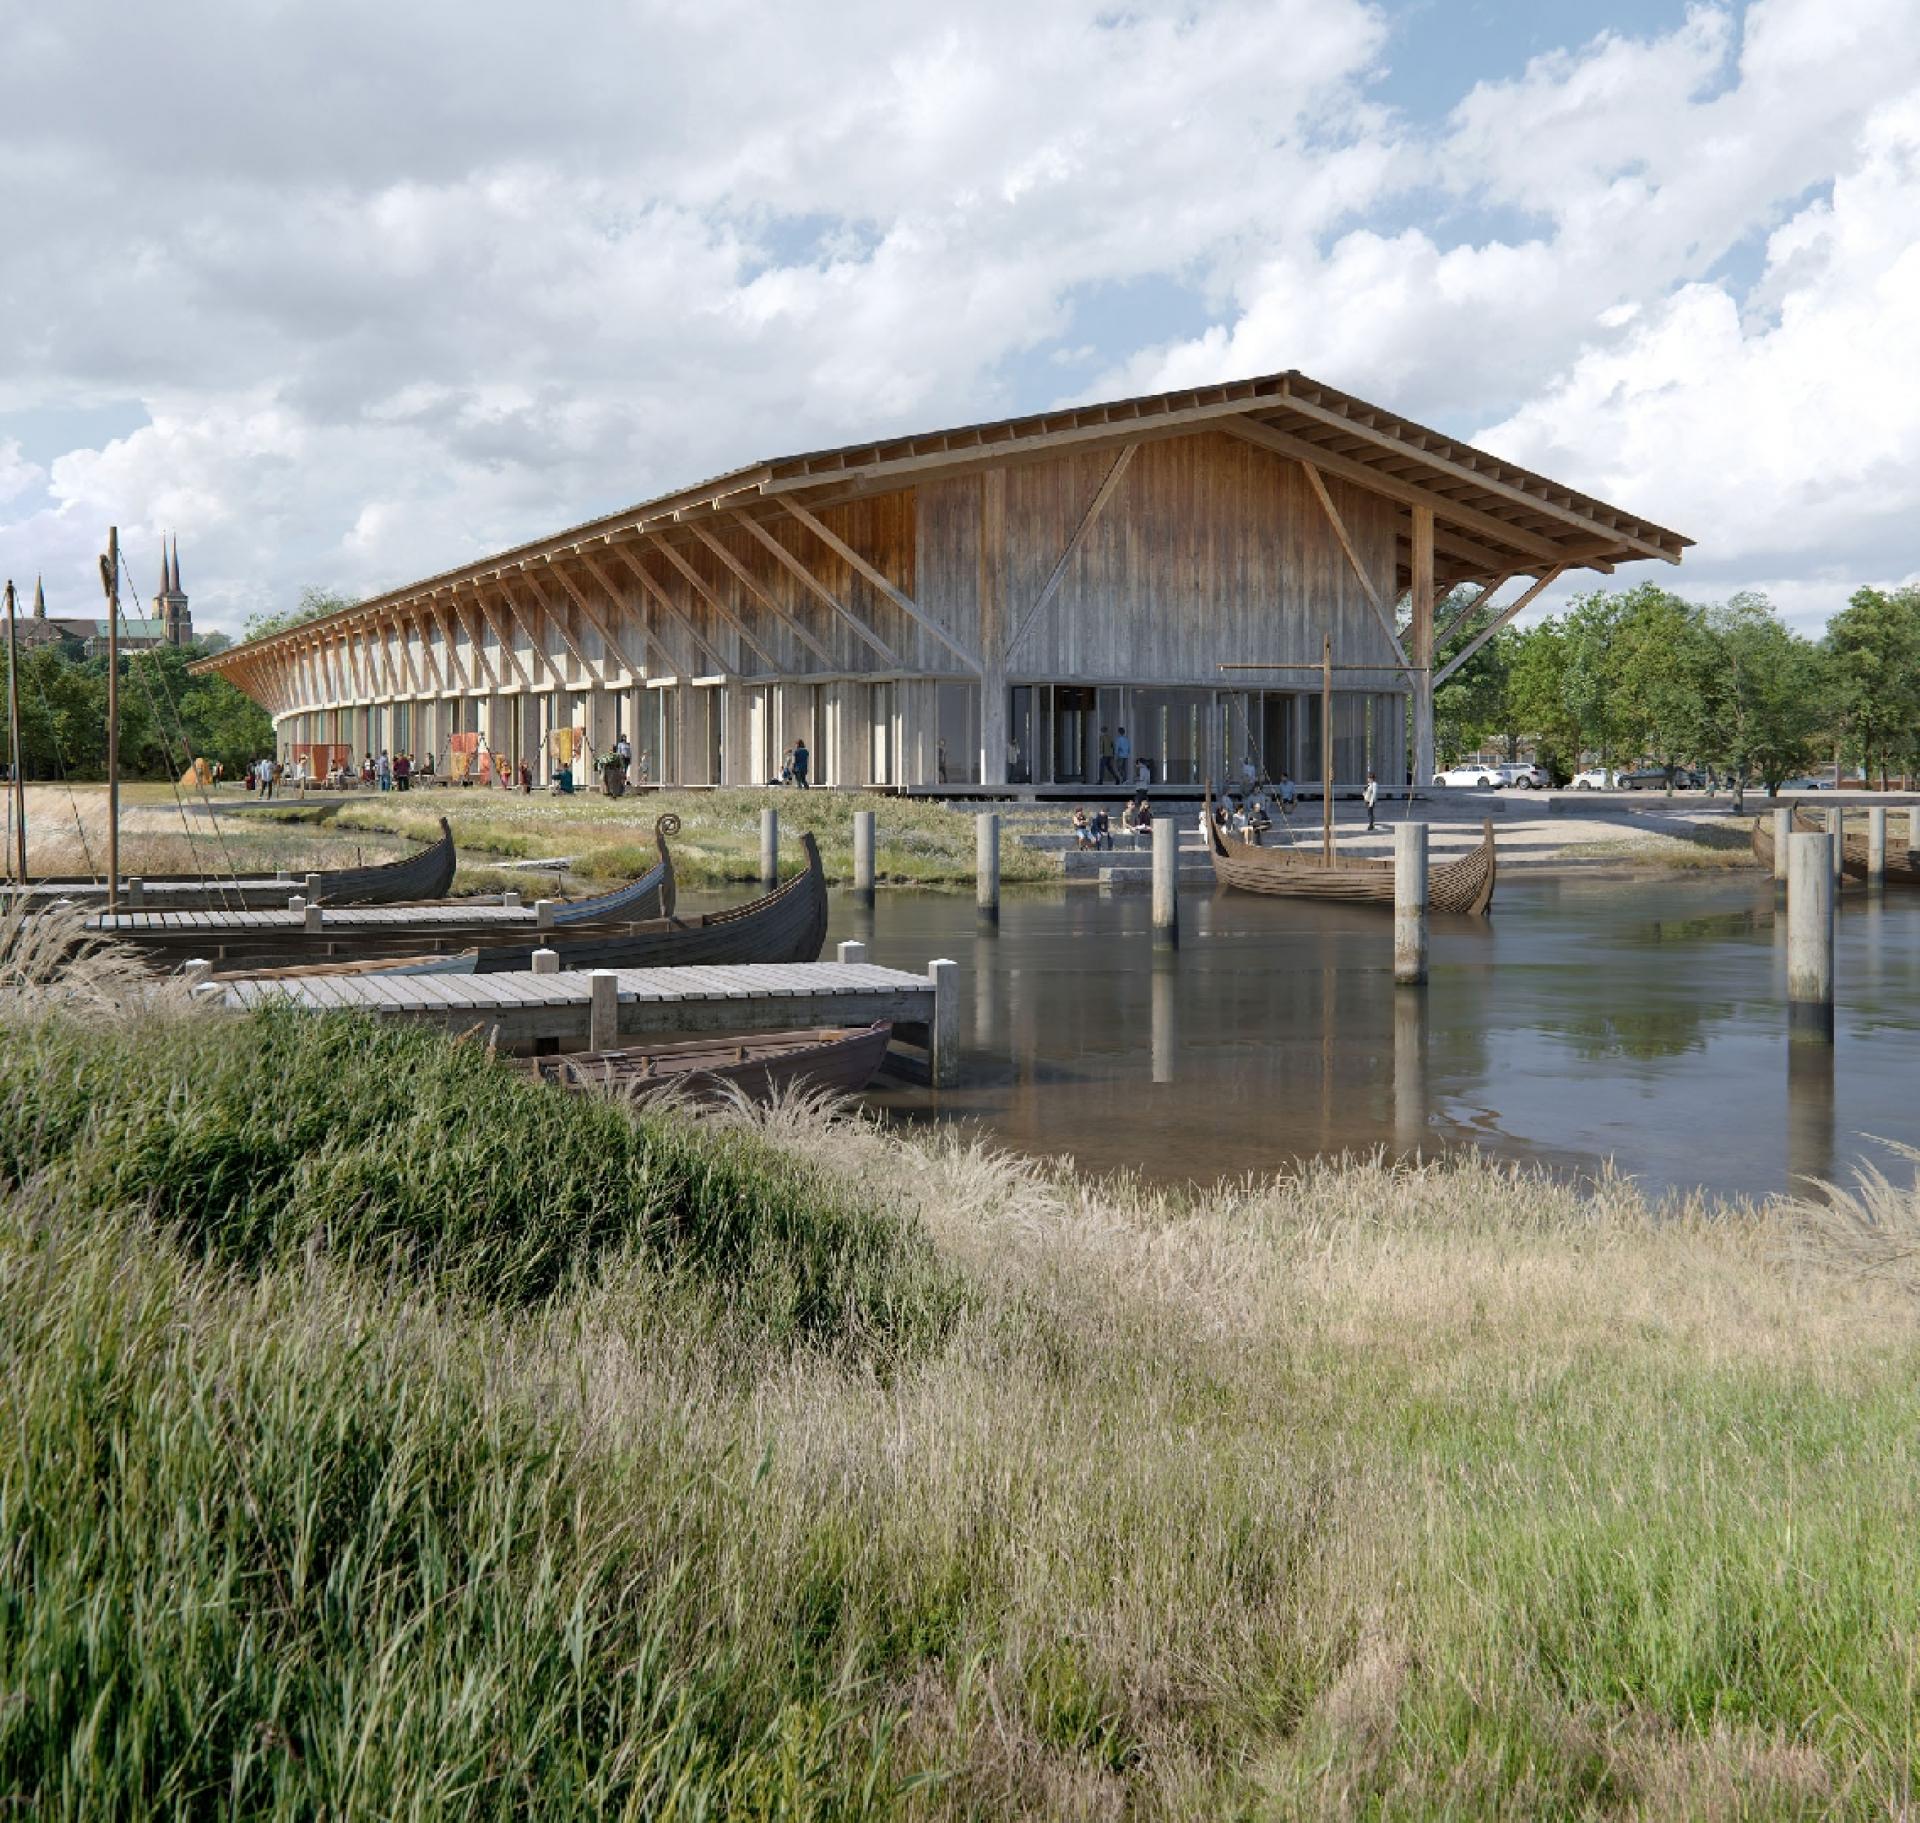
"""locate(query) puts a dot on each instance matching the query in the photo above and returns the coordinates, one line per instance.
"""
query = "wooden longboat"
(250, 943)
(1464, 885)
(423, 876)
(1903, 863)
(838, 1060)
(788, 924)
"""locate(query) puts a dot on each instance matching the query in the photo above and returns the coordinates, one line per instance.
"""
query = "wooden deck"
(341, 919)
(522, 1010)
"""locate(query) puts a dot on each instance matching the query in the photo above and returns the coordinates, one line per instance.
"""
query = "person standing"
(1122, 758)
(383, 771)
(801, 760)
(1371, 796)
(1108, 770)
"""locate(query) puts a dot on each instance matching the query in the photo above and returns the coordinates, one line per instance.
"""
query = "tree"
(313, 604)
(1588, 671)
(1472, 703)
(1873, 653)
(1537, 696)
(1771, 703)
(1665, 680)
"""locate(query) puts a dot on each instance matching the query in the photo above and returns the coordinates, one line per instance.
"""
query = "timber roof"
(1494, 519)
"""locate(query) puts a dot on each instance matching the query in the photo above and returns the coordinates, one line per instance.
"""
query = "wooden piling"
(195, 970)
(1876, 848)
(1410, 903)
(1810, 897)
(850, 951)
(1836, 836)
(986, 863)
(1782, 828)
(313, 889)
(603, 1010)
(863, 852)
(943, 1030)
(546, 962)
(769, 847)
(1166, 880)
(297, 902)
(313, 918)
(543, 914)
(511, 899)
(136, 891)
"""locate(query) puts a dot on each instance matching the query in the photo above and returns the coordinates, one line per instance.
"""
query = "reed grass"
(382, 1434)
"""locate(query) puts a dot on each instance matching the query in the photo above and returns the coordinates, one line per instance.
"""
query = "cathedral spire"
(176, 565)
(166, 581)
(39, 600)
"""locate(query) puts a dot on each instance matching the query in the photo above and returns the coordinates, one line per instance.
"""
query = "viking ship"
(425, 875)
(1903, 863)
(449, 928)
(788, 924)
(837, 1060)
(1463, 885)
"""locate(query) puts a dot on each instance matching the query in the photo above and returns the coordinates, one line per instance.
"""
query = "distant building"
(171, 624)
(170, 605)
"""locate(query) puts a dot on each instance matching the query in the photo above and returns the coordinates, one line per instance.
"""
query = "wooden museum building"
(981, 607)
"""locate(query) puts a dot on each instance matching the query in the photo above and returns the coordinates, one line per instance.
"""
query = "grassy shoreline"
(381, 1433)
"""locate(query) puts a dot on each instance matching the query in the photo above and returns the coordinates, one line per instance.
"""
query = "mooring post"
(943, 1029)
(863, 848)
(195, 970)
(1810, 898)
(850, 951)
(1782, 829)
(313, 917)
(313, 889)
(1876, 848)
(769, 847)
(297, 902)
(511, 899)
(1836, 834)
(543, 914)
(1166, 880)
(546, 962)
(603, 1010)
(986, 863)
(136, 890)
(1410, 903)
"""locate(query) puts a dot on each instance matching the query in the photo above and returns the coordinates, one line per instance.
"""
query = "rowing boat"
(1463, 885)
(788, 924)
(422, 876)
(837, 1060)
(272, 937)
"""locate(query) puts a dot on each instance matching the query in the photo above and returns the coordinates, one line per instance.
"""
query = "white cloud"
(396, 285)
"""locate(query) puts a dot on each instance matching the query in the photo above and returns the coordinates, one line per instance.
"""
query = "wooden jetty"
(520, 1012)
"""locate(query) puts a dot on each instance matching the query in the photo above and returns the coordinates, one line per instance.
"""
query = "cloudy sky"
(348, 293)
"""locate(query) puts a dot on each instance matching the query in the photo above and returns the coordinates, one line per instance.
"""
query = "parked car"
(1654, 778)
(1488, 776)
(1595, 778)
(1526, 778)
(1803, 783)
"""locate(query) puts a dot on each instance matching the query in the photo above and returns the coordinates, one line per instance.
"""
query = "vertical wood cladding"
(1210, 550)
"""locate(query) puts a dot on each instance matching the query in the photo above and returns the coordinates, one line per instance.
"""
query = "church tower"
(170, 605)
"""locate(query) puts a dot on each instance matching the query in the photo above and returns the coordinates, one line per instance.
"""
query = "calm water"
(1640, 1021)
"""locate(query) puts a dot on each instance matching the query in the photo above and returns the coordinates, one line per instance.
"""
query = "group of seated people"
(1094, 829)
(1248, 812)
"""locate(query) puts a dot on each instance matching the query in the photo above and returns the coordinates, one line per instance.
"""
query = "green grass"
(917, 843)
(381, 1434)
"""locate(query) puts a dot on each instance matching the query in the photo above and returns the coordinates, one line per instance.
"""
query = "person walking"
(1108, 770)
(1371, 796)
(1122, 758)
(801, 760)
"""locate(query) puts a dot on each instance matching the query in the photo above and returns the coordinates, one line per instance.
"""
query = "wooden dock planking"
(524, 1008)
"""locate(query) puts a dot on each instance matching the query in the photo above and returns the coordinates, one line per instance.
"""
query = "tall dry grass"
(408, 1438)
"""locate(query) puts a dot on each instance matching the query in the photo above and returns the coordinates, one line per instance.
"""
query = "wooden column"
(993, 629)
(1420, 646)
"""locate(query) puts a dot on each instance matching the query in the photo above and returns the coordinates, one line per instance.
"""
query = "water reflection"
(1810, 1115)
(1638, 1021)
